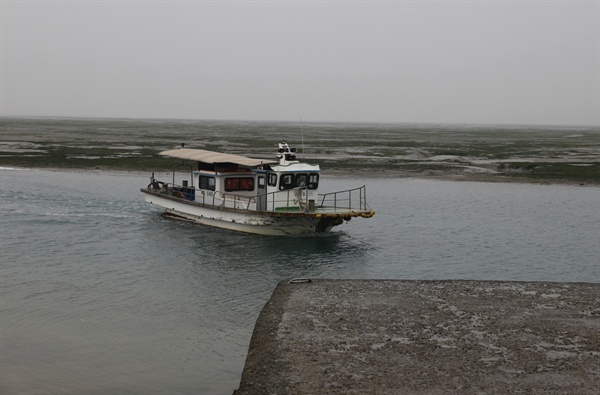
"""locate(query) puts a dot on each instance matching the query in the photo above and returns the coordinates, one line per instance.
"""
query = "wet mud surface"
(554, 154)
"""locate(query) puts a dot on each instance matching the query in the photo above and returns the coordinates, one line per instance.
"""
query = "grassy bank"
(530, 154)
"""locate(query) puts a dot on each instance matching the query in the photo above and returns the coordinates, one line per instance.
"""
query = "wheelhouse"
(264, 184)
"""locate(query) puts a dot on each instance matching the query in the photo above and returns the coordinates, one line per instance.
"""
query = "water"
(101, 295)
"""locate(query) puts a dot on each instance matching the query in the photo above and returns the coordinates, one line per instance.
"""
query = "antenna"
(302, 133)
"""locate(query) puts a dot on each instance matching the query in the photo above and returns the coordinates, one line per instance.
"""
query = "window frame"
(313, 184)
(299, 177)
(205, 181)
(236, 184)
(283, 185)
(272, 179)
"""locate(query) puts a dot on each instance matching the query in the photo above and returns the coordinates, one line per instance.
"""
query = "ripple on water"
(96, 279)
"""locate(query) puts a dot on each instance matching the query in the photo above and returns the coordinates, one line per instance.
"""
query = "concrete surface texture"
(426, 337)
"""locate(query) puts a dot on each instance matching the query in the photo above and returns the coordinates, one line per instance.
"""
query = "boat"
(260, 196)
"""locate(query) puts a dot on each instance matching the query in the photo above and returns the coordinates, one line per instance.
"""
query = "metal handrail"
(335, 200)
(338, 198)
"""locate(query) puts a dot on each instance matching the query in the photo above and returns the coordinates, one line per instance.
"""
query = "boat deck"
(328, 211)
(236, 202)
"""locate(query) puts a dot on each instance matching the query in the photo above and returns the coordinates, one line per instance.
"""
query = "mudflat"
(548, 154)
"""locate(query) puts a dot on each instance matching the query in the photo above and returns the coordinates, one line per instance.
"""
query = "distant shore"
(337, 174)
(529, 154)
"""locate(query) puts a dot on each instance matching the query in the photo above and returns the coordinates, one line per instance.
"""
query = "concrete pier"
(426, 337)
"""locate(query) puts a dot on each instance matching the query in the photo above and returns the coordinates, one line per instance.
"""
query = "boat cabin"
(254, 184)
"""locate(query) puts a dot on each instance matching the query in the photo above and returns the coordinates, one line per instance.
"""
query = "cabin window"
(313, 180)
(239, 184)
(301, 180)
(207, 183)
(261, 181)
(286, 181)
(272, 180)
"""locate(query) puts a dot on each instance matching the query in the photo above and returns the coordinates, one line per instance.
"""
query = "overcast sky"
(508, 62)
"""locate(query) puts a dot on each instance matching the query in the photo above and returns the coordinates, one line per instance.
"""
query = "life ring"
(368, 215)
(180, 195)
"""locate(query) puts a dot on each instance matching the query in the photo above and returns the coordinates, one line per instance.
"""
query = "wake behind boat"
(260, 196)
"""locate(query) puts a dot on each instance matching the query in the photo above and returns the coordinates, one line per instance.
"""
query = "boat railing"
(289, 199)
(221, 199)
(284, 200)
(350, 199)
(296, 198)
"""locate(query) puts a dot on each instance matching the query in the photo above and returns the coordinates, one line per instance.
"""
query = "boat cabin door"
(261, 197)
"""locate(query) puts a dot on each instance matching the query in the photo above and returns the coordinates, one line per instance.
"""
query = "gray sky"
(533, 62)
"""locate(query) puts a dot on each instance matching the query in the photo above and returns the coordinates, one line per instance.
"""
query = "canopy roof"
(212, 157)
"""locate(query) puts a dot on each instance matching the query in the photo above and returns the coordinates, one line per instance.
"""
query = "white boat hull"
(261, 223)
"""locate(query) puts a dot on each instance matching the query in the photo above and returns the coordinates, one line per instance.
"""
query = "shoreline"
(387, 174)
(540, 155)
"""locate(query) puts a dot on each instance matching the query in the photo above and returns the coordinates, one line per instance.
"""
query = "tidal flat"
(523, 153)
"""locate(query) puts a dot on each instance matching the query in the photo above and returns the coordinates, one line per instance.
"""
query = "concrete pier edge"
(412, 336)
